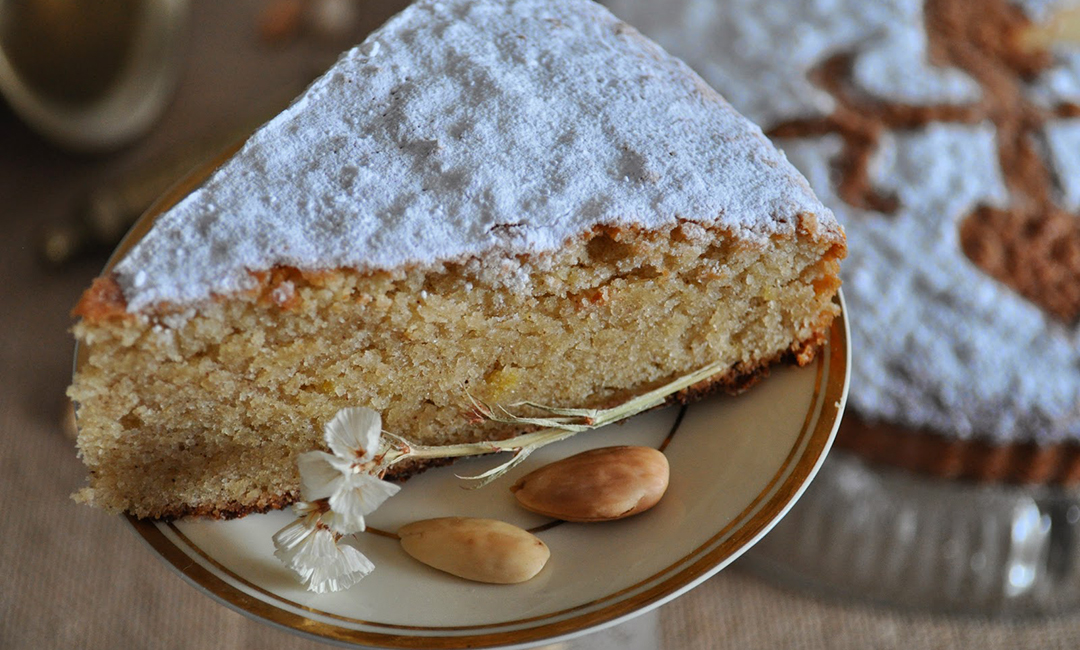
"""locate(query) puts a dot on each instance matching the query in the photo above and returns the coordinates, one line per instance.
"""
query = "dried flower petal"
(323, 561)
(320, 474)
(341, 566)
(353, 434)
(289, 540)
(358, 495)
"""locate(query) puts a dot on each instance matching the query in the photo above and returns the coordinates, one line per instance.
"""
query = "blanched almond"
(596, 485)
(484, 550)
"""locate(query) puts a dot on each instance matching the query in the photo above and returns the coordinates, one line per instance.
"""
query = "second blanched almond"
(484, 550)
(596, 485)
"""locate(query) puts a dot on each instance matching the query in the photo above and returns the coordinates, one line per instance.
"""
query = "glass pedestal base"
(897, 539)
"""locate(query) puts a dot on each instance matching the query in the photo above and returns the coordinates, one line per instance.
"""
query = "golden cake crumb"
(208, 415)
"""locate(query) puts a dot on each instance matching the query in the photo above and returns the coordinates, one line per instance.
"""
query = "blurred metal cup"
(90, 74)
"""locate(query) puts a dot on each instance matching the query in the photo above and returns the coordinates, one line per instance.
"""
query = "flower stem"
(569, 422)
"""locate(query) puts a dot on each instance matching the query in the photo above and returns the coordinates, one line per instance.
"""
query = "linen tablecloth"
(73, 577)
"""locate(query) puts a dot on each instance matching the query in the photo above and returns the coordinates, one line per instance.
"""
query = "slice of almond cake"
(507, 199)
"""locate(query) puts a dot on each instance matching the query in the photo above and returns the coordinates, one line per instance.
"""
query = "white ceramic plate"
(737, 465)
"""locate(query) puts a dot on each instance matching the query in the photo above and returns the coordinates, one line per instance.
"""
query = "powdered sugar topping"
(464, 126)
(759, 55)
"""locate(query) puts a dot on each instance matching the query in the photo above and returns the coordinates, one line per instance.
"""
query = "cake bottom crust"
(734, 381)
(929, 453)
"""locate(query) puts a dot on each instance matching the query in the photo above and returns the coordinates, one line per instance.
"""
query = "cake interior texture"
(204, 411)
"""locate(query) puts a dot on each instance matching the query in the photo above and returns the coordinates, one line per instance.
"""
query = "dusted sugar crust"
(466, 126)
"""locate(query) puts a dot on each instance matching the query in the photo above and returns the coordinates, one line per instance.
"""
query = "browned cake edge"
(929, 453)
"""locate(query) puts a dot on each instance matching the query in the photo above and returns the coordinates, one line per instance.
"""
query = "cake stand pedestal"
(901, 540)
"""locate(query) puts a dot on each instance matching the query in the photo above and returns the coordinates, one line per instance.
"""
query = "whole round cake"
(945, 135)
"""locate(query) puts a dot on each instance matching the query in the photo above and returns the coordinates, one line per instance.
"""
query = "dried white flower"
(346, 477)
(338, 490)
(323, 560)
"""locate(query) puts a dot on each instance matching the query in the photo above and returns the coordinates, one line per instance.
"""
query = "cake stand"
(898, 539)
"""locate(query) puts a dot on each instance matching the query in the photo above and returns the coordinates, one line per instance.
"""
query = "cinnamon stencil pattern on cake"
(944, 134)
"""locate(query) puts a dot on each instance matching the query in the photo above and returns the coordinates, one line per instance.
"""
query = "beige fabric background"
(71, 577)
